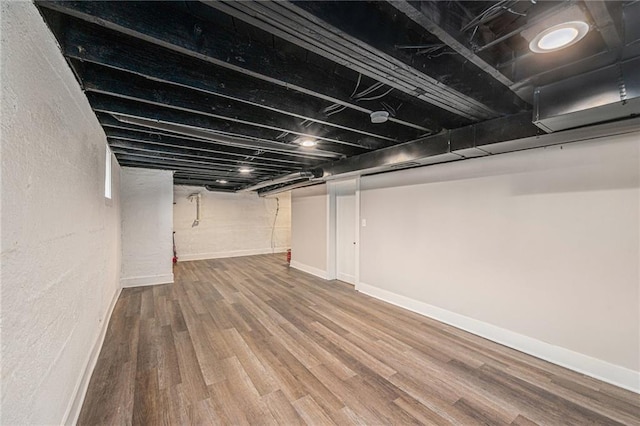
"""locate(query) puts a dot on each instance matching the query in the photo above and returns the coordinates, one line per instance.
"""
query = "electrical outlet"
(364, 222)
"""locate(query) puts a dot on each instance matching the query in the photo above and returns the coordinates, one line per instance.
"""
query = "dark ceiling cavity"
(205, 88)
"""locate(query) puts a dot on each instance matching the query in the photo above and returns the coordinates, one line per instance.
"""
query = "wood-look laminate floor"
(250, 341)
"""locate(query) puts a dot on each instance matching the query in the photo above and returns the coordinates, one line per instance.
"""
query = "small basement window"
(107, 174)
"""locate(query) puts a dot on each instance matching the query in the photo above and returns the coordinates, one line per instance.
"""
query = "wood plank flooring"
(250, 341)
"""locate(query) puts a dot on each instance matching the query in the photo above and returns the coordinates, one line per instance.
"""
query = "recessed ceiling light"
(307, 143)
(559, 36)
(379, 116)
(221, 181)
(245, 170)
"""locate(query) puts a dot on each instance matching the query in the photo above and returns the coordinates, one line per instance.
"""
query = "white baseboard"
(146, 280)
(596, 368)
(309, 269)
(73, 410)
(347, 278)
(233, 253)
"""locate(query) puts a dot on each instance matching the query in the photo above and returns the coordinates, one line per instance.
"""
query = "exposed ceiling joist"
(127, 86)
(428, 15)
(194, 37)
(194, 137)
(199, 126)
(205, 148)
(258, 168)
(178, 164)
(119, 145)
(104, 47)
(299, 27)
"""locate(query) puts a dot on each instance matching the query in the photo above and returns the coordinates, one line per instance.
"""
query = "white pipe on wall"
(197, 197)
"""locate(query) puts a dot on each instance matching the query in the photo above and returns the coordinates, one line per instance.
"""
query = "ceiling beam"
(197, 146)
(98, 79)
(204, 161)
(201, 126)
(184, 170)
(208, 176)
(104, 47)
(177, 164)
(182, 33)
(428, 15)
(205, 183)
(121, 144)
(297, 26)
(122, 130)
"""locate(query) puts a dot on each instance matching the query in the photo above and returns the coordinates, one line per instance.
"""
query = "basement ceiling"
(226, 94)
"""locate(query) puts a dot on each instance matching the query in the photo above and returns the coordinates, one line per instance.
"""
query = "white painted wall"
(309, 221)
(537, 249)
(231, 224)
(147, 227)
(60, 237)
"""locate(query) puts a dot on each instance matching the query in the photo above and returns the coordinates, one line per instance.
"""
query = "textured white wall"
(147, 226)
(309, 222)
(544, 243)
(60, 237)
(230, 224)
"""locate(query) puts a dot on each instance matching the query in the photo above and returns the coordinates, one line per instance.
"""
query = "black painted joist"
(195, 155)
(215, 186)
(319, 35)
(187, 173)
(177, 164)
(205, 148)
(132, 108)
(102, 46)
(437, 19)
(118, 129)
(169, 28)
(106, 80)
(196, 160)
(179, 174)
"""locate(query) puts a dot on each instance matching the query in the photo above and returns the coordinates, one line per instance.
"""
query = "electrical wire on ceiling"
(491, 13)
(273, 228)
(358, 96)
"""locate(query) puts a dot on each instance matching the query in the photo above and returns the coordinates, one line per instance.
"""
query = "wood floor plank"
(281, 409)
(250, 341)
(311, 412)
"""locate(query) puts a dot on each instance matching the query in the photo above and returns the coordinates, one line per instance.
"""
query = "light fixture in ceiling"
(307, 143)
(559, 36)
(221, 181)
(379, 116)
(245, 170)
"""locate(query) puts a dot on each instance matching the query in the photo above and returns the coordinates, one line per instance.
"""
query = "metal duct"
(492, 137)
(277, 181)
(496, 136)
(606, 94)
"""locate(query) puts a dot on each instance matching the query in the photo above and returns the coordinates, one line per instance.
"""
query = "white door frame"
(333, 187)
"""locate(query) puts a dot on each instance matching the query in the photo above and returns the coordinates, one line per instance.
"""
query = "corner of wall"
(309, 269)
